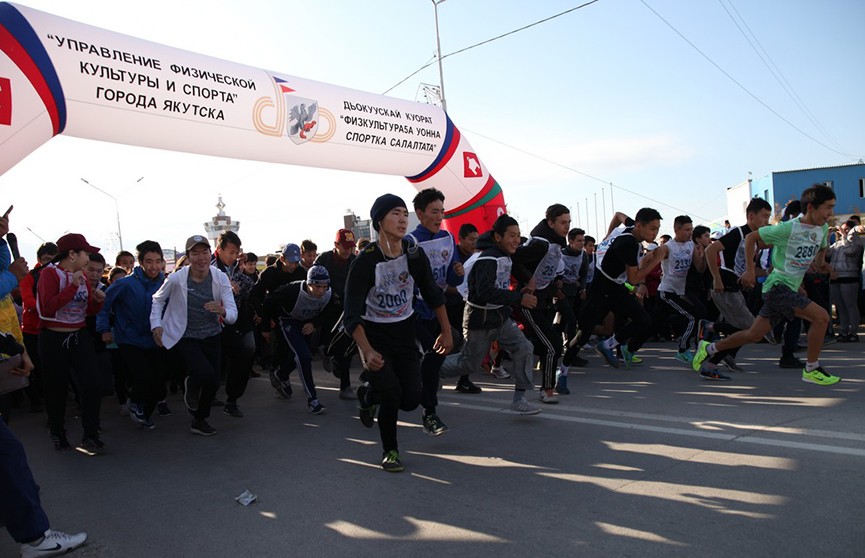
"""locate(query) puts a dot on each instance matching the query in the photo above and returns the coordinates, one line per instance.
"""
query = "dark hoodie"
(489, 300)
(531, 253)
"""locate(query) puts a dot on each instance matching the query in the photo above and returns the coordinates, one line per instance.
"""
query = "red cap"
(345, 237)
(73, 241)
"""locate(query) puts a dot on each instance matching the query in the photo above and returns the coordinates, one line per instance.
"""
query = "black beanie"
(382, 206)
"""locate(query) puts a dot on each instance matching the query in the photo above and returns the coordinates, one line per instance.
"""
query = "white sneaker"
(549, 399)
(500, 373)
(523, 407)
(54, 544)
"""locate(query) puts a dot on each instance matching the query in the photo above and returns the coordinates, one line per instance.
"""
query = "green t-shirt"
(794, 247)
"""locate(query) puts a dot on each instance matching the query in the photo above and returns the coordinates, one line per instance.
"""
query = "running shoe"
(92, 445)
(731, 363)
(713, 375)
(608, 354)
(60, 441)
(433, 425)
(365, 411)
(629, 358)
(136, 413)
(701, 355)
(232, 410)
(162, 409)
(549, 397)
(54, 543)
(390, 462)
(202, 428)
(819, 376)
(464, 385)
(315, 407)
(500, 373)
(347, 394)
(523, 407)
(148, 424)
(562, 384)
(283, 388)
(685, 356)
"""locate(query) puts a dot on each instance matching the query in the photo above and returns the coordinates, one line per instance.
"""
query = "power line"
(774, 70)
(742, 87)
(428, 64)
(601, 180)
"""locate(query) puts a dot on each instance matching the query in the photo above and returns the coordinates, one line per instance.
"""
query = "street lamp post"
(116, 207)
(439, 54)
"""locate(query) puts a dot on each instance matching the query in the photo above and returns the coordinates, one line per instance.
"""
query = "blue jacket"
(423, 234)
(8, 281)
(130, 300)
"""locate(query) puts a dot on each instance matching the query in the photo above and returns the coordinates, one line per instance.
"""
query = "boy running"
(797, 245)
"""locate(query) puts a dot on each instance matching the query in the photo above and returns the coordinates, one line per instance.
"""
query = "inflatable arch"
(58, 76)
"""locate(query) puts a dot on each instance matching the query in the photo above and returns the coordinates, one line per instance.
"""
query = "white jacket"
(172, 298)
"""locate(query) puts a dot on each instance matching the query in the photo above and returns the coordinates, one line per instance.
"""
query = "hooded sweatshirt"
(540, 256)
(490, 299)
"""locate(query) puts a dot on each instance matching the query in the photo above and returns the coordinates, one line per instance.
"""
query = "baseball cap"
(291, 253)
(318, 275)
(345, 237)
(716, 235)
(74, 241)
(195, 240)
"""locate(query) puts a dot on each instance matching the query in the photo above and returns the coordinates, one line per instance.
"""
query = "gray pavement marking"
(744, 437)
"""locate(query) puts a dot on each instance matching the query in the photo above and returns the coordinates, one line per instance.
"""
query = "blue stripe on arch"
(20, 28)
(449, 135)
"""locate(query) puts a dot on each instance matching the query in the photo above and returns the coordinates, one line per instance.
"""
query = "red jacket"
(30, 319)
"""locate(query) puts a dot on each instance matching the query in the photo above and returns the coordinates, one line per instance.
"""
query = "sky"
(607, 94)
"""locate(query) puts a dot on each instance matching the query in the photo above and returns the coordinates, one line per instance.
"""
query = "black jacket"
(484, 292)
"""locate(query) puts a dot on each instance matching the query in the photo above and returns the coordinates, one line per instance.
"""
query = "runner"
(66, 347)
(536, 267)
(337, 263)
(677, 256)
(797, 244)
(130, 301)
(297, 310)
(488, 312)
(30, 324)
(447, 271)
(573, 287)
(238, 339)
(379, 294)
(187, 315)
(617, 265)
(725, 259)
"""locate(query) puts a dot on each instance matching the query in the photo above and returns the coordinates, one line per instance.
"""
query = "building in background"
(219, 223)
(778, 188)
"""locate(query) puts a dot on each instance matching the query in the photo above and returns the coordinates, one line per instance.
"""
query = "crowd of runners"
(414, 309)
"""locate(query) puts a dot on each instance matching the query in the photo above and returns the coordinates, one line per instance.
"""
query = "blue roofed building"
(778, 188)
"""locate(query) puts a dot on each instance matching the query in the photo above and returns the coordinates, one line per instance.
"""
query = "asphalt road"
(649, 461)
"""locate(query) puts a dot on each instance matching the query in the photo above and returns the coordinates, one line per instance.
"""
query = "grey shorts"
(780, 304)
(733, 309)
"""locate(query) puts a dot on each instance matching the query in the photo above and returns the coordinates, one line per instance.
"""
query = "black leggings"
(71, 356)
(147, 371)
(397, 386)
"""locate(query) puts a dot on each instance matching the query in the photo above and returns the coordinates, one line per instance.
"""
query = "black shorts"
(780, 304)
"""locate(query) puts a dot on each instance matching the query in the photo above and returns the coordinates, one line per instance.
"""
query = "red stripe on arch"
(19, 56)
(448, 155)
